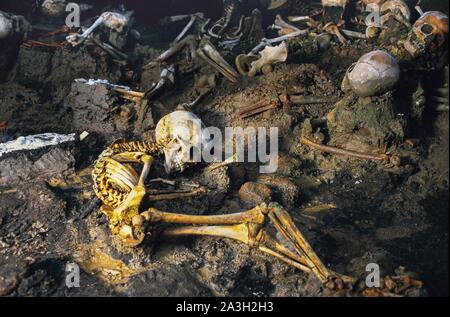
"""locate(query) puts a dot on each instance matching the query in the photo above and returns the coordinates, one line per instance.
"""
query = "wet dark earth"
(353, 212)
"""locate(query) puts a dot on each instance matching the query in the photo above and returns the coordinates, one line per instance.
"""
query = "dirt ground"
(353, 212)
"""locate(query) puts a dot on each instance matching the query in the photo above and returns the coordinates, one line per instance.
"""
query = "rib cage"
(113, 180)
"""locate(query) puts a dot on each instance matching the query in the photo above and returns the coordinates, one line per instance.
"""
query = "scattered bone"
(285, 100)
(226, 162)
(208, 53)
(275, 4)
(124, 91)
(284, 25)
(186, 28)
(167, 80)
(266, 42)
(112, 20)
(270, 56)
(162, 180)
(363, 156)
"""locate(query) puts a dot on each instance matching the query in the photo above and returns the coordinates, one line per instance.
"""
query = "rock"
(284, 190)
(41, 163)
(33, 66)
(92, 109)
(11, 274)
(252, 194)
(166, 280)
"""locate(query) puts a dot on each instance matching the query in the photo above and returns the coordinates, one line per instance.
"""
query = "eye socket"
(427, 29)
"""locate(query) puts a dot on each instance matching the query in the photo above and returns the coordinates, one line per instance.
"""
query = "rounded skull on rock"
(373, 74)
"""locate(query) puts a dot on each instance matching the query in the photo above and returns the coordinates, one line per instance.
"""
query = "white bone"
(269, 56)
(186, 28)
(283, 24)
(266, 42)
(112, 20)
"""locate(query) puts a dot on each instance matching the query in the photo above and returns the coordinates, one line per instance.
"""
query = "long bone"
(266, 42)
(188, 26)
(172, 51)
(167, 79)
(284, 25)
(112, 51)
(208, 53)
(112, 20)
(252, 227)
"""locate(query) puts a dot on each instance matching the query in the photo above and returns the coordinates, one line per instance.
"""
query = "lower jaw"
(412, 50)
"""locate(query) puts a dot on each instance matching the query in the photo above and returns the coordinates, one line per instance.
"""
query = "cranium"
(184, 134)
(429, 32)
(375, 73)
(11, 24)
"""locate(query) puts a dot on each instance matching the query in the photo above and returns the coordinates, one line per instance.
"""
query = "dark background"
(146, 11)
(150, 11)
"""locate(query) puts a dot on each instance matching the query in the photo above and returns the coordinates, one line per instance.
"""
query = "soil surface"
(353, 212)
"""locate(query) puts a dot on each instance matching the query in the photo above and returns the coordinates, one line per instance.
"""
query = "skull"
(183, 134)
(374, 74)
(54, 8)
(396, 8)
(11, 24)
(428, 33)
